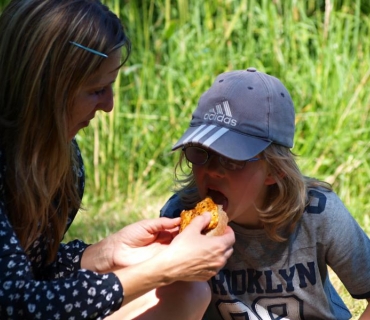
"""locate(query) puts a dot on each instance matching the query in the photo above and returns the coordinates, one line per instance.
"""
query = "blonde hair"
(41, 74)
(285, 201)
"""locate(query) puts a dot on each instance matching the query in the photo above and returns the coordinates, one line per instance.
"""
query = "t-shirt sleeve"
(72, 294)
(348, 247)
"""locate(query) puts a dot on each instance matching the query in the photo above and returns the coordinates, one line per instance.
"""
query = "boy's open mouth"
(218, 198)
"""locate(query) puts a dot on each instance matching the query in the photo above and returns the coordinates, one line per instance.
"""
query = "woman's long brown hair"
(41, 73)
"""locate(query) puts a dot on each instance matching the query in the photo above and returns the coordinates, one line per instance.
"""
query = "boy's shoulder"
(326, 211)
(172, 208)
(323, 201)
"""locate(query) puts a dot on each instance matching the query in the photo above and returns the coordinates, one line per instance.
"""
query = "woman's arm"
(148, 256)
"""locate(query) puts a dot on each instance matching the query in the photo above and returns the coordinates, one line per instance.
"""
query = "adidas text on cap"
(241, 114)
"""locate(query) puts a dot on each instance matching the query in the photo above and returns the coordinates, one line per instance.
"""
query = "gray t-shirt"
(264, 279)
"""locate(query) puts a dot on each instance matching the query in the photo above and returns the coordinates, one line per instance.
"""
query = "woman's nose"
(107, 101)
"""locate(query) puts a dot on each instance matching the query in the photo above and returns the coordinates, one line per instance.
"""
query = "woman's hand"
(142, 240)
(192, 256)
(189, 256)
(130, 245)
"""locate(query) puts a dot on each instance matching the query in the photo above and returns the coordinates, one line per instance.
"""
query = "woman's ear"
(271, 178)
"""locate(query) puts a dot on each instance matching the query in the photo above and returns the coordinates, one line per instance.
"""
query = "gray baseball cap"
(241, 114)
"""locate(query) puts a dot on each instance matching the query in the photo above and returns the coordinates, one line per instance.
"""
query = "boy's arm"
(366, 314)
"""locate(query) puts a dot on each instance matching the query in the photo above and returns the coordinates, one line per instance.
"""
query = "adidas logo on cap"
(221, 113)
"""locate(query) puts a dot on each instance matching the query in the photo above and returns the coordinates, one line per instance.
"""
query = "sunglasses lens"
(231, 164)
(199, 156)
(196, 155)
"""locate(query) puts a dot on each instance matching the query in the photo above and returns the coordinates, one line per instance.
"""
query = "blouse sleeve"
(67, 262)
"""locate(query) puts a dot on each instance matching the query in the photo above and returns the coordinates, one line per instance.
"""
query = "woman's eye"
(99, 92)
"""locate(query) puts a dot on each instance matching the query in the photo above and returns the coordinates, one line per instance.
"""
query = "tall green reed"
(320, 52)
(319, 49)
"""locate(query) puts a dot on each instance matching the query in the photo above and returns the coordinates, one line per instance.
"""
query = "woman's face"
(96, 94)
(239, 191)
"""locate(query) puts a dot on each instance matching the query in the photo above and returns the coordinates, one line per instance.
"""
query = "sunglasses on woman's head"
(200, 156)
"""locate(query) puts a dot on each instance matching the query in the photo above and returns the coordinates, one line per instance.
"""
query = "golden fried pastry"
(219, 218)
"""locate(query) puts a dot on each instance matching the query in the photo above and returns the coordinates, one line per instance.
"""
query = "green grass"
(321, 53)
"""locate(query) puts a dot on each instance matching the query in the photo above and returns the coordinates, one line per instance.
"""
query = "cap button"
(251, 69)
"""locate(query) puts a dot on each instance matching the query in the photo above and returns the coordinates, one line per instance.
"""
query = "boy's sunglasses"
(200, 156)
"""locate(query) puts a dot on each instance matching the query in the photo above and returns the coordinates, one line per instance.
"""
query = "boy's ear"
(271, 179)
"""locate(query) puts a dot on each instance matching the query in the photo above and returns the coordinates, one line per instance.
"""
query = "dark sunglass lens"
(231, 164)
(196, 155)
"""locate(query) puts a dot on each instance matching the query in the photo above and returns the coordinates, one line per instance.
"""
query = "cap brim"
(231, 144)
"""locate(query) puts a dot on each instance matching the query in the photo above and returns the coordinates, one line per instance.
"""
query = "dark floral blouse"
(31, 289)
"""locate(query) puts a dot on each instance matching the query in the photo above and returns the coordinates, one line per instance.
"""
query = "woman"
(58, 61)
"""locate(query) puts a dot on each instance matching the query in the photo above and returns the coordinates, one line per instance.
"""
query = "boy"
(288, 227)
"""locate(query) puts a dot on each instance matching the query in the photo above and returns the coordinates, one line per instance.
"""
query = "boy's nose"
(214, 166)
